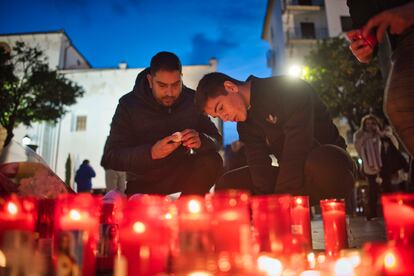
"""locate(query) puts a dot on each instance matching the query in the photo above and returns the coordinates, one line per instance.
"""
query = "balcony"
(298, 6)
(306, 34)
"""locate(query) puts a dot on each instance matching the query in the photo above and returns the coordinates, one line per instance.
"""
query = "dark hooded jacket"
(140, 121)
(287, 119)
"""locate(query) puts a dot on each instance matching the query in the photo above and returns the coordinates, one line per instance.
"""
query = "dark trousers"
(374, 192)
(194, 174)
(329, 173)
(399, 92)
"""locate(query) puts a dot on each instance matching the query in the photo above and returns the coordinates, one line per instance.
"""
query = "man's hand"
(191, 139)
(361, 50)
(164, 147)
(397, 20)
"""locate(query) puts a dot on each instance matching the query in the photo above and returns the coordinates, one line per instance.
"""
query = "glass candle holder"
(45, 226)
(108, 244)
(334, 225)
(271, 220)
(145, 235)
(230, 222)
(17, 239)
(399, 217)
(195, 248)
(17, 214)
(231, 230)
(300, 219)
(76, 234)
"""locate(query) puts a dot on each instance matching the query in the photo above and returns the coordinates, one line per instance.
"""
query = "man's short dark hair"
(85, 162)
(212, 86)
(165, 61)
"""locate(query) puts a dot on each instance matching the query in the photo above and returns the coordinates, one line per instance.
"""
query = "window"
(308, 30)
(346, 23)
(80, 123)
(305, 2)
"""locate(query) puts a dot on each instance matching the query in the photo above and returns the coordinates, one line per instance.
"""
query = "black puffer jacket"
(140, 121)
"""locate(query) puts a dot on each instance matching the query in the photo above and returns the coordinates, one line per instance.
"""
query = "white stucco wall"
(334, 10)
(49, 43)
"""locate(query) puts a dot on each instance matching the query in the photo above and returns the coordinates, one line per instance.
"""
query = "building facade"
(82, 132)
(293, 28)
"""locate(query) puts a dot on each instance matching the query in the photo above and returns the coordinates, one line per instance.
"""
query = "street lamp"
(26, 140)
(295, 71)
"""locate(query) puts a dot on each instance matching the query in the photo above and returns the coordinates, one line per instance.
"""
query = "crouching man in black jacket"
(286, 118)
(158, 137)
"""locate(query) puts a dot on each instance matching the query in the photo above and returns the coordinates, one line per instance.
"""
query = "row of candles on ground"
(225, 233)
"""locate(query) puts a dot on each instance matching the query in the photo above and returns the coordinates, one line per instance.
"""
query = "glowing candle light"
(334, 225)
(145, 235)
(76, 231)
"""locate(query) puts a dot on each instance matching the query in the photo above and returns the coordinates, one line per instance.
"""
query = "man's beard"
(168, 100)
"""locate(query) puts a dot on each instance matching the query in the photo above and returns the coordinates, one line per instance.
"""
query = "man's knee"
(210, 162)
(329, 172)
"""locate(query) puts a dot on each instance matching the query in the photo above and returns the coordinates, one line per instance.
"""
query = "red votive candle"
(76, 234)
(145, 235)
(231, 230)
(230, 222)
(195, 249)
(399, 217)
(110, 218)
(334, 225)
(271, 220)
(17, 214)
(300, 219)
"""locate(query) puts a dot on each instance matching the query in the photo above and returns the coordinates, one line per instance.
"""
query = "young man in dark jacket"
(283, 117)
(158, 137)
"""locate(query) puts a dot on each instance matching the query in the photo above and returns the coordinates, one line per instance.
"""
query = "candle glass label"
(19, 255)
(70, 251)
(108, 242)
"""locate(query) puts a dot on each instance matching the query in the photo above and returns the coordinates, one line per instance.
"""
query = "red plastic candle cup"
(145, 235)
(271, 220)
(110, 219)
(76, 233)
(17, 214)
(195, 249)
(300, 219)
(45, 225)
(230, 222)
(399, 217)
(334, 225)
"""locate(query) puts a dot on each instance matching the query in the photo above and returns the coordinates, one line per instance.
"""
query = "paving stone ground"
(359, 231)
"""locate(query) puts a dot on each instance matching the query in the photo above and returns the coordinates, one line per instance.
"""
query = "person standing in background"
(83, 177)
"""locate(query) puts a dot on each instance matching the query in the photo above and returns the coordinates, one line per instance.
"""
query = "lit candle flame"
(299, 201)
(12, 208)
(194, 206)
(389, 260)
(343, 266)
(139, 227)
(75, 215)
(270, 266)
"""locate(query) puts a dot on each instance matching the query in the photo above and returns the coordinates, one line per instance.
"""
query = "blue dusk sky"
(107, 32)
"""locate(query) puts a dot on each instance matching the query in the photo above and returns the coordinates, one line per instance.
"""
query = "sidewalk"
(359, 232)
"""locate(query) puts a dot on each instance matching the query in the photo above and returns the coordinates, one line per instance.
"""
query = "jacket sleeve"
(299, 136)
(258, 160)
(210, 137)
(92, 172)
(121, 152)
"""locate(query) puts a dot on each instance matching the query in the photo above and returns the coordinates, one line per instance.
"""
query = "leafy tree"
(30, 91)
(349, 88)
